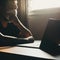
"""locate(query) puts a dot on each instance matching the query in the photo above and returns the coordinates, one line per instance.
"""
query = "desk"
(36, 44)
(27, 52)
(24, 52)
(31, 52)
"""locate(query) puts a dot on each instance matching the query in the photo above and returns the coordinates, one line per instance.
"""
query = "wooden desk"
(30, 52)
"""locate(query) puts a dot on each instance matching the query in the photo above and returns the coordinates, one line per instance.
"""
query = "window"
(42, 4)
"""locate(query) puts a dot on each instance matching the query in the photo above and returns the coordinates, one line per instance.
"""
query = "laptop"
(51, 38)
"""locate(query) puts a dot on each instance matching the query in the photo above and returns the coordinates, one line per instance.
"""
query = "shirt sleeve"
(13, 30)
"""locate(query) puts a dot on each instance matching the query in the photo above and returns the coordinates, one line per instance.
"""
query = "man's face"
(11, 7)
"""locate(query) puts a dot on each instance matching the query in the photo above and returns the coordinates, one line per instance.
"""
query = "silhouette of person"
(12, 31)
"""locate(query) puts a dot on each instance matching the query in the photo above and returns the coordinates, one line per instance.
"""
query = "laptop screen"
(51, 37)
(52, 31)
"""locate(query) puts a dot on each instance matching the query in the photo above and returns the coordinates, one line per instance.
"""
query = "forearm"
(12, 41)
(20, 26)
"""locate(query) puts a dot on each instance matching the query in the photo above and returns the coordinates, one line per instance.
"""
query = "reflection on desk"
(4, 47)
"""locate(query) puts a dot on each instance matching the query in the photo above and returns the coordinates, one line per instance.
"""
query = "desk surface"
(27, 52)
(36, 44)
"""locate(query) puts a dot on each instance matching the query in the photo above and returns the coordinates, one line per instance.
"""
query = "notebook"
(51, 38)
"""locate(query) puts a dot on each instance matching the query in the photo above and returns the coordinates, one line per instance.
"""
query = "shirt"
(11, 30)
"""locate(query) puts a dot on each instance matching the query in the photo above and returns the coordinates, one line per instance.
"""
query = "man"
(12, 31)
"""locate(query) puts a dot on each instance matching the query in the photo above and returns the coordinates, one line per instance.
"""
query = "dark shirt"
(11, 30)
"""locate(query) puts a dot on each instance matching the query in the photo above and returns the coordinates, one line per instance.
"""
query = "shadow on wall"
(38, 20)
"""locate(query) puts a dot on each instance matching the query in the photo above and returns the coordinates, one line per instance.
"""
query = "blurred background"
(34, 14)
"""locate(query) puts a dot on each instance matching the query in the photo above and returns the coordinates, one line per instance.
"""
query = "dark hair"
(3, 3)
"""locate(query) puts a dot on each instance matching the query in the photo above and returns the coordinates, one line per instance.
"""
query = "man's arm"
(12, 41)
(24, 31)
